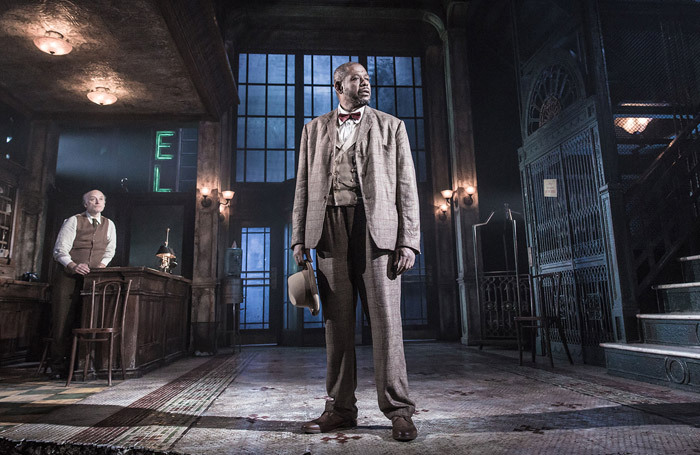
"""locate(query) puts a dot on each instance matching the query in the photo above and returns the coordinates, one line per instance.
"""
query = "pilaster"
(206, 236)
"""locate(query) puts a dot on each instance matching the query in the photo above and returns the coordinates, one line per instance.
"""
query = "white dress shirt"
(348, 127)
(66, 236)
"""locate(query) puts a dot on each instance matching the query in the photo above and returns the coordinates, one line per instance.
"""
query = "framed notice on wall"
(550, 187)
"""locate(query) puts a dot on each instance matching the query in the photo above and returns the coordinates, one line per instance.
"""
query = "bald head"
(94, 202)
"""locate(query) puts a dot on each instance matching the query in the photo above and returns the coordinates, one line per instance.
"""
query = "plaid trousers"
(350, 264)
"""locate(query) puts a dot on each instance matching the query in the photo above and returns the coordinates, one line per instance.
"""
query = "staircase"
(663, 219)
(670, 351)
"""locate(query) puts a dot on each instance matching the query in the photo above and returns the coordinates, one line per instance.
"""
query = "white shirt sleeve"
(111, 243)
(64, 241)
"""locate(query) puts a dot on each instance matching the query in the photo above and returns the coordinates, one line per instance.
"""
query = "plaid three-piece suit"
(354, 248)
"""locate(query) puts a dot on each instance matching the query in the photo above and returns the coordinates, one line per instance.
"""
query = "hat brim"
(303, 291)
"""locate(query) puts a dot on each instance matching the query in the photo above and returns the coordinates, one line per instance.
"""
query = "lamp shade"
(53, 43)
(165, 252)
(102, 96)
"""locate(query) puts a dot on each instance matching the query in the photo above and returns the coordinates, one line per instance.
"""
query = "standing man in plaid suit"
(356, 202)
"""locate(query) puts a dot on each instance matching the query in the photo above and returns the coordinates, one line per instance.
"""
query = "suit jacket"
(386, 174)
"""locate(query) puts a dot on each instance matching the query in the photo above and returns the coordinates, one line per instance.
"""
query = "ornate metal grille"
(594, 297)
(555, 89)
(499, 303)
(582, 191)
(566, 235)
(584, 308)
(549, 214)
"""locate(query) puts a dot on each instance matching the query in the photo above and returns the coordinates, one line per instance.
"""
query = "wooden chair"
(45, 357)
(544, 322)
(105, 322)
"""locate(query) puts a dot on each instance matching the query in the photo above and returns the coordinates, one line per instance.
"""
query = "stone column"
(444, 260)
(206, 236)
(461, 163)
(463, 174)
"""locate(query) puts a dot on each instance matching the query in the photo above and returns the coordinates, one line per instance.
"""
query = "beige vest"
(345, 186)
(90, 242)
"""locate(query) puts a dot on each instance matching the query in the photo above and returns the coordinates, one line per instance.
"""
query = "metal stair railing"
(663, 205)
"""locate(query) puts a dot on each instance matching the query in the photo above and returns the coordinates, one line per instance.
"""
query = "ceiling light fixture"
(53, 43)
(633, 124)
(102, 96)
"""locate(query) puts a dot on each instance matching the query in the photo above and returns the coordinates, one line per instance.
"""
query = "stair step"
(679, 329)
(691, 268)
(679, 297)
(657, 363)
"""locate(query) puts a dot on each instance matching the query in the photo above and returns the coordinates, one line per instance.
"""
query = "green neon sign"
(156, 181)
(162, 154)
(161, 146)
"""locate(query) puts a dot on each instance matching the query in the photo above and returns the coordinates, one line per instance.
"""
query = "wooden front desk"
(156, 329)
(24, 310)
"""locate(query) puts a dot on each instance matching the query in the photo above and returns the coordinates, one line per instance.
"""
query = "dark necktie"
(94, 223)
(343, 117)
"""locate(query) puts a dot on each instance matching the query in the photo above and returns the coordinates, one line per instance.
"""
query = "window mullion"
(298, 106)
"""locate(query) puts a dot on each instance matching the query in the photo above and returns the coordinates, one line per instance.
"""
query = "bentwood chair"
(543, 321)
(104, 323)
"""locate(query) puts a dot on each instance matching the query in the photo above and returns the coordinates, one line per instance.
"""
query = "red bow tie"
(355, 116)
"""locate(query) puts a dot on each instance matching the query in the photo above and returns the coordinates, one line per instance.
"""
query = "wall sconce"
(102, 96)
(224, 199)
(227, 195)
(469, 199)
(206, 202)
(451, 195)
(443, 211)
(447, 194)
(53, 43)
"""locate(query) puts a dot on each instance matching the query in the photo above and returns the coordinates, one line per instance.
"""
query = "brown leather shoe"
(328, 421)
(402, 429)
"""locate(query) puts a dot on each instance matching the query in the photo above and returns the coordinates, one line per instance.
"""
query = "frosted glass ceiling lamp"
(102, 96)
(53, 43)
(633, 124)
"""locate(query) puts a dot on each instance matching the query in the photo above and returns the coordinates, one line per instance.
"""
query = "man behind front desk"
(356, 202)
(86, 241)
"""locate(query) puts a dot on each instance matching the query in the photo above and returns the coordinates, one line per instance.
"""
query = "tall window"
(266, 116)
(265, 139)
(255, 274)
(414, 304)
(290, 267)
(397, 86)
(319, 96)
(268, 119)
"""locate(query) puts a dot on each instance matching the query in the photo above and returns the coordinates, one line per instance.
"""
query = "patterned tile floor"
(468, 402)
(26, 397)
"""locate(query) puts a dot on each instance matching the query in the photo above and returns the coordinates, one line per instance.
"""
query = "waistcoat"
(345, 186)
(90, 242)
